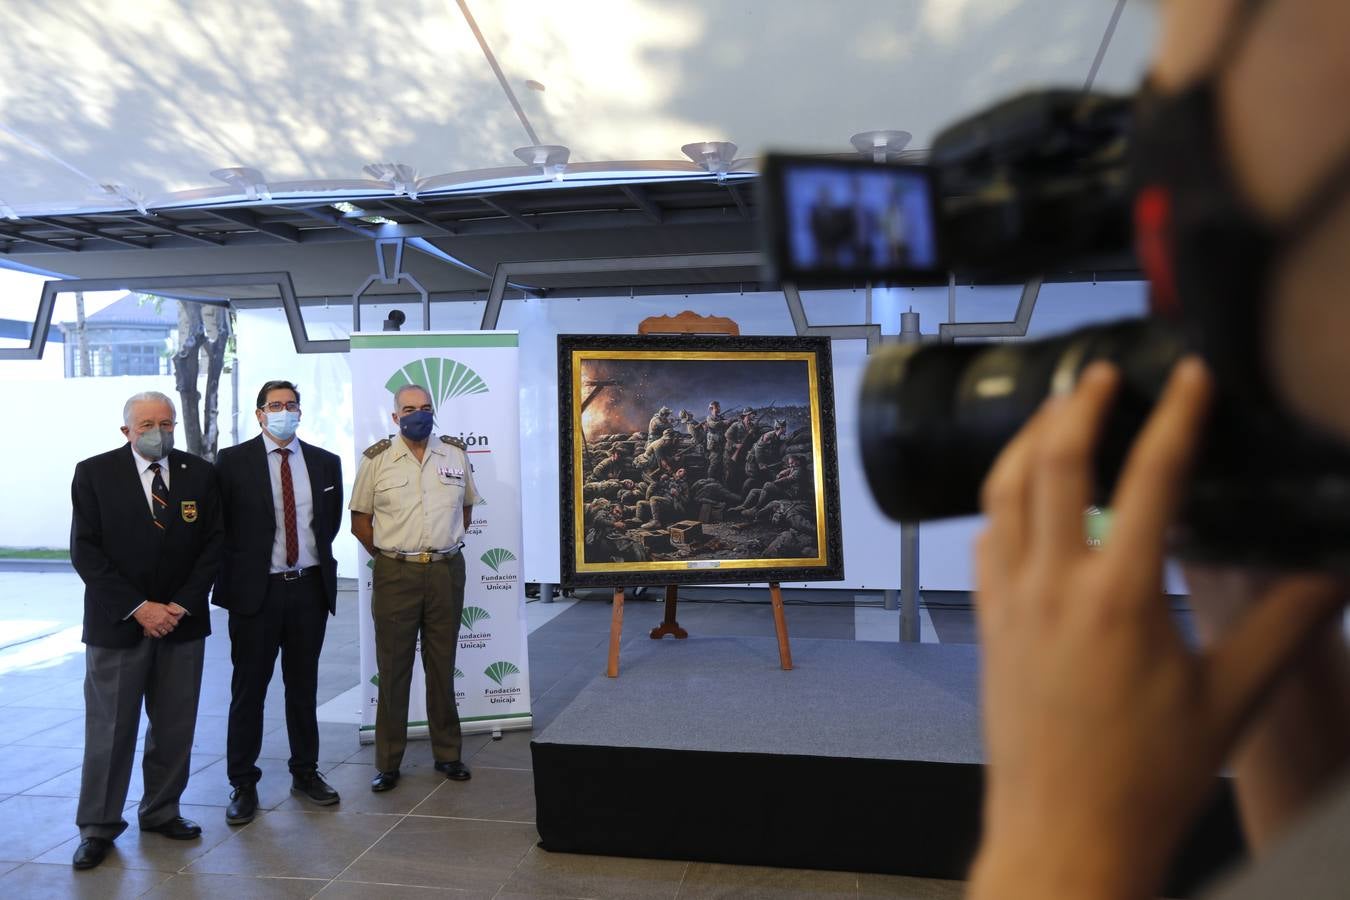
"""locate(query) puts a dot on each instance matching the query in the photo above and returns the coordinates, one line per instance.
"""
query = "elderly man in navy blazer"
(282, 502)
(146, 538)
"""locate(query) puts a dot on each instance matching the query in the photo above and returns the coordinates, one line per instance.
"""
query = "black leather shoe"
(91, 852)
(454, 770)
(243, 805)
(177, 828)
(314, 789)
(384, 781)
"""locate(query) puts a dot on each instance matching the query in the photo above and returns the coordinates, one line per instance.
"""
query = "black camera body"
(1043, 183)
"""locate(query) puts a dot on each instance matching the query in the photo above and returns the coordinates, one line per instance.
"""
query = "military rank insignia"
(189, 510)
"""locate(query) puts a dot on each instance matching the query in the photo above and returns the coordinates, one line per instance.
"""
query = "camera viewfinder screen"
(864, 219)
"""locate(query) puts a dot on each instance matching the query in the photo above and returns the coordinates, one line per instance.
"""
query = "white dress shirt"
(304, 506)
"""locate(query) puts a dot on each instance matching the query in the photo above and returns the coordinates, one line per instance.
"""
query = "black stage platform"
(866, 757)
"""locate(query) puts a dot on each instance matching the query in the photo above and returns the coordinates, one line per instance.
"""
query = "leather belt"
(422, 556)
(294, 574)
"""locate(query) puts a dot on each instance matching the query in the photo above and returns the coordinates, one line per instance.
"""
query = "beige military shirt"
(415, 506)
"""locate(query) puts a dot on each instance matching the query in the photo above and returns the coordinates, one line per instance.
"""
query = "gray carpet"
(727, 694)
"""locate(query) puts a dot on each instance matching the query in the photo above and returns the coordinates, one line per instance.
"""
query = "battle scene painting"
(694, 459)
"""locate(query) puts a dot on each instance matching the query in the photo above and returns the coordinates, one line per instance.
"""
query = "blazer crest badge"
(189, 510)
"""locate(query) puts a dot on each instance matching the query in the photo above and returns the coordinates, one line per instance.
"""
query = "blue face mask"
(282, 425)
(416, 426)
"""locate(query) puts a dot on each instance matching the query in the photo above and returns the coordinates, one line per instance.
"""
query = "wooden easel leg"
(780, 626)
(615, 632)
(669, 625)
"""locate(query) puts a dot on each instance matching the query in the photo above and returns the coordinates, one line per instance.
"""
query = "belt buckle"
(292, 575)
(424, 557)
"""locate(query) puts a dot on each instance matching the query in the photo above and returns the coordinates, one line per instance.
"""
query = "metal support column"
(546, 592)
(909, 531)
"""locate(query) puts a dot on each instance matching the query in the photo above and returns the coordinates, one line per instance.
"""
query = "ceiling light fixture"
(127, 195)
(247, 181)
(882, 146)
(716, 157)
(550, 158)
(402, 179)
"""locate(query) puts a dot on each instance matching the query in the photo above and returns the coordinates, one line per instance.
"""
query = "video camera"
(1044, 183)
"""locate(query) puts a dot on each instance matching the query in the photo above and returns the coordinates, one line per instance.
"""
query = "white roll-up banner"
(474, 380)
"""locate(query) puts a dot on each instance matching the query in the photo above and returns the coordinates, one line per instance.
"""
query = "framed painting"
(691, 459)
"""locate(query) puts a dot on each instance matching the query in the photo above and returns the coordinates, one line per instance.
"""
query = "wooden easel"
(690, 323)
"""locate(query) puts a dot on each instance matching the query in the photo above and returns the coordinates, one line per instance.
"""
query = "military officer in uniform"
(411, 504)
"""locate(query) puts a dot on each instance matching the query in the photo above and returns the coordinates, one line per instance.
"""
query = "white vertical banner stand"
(474, 380)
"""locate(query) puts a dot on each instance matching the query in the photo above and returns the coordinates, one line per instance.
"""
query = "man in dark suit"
(282, 500)
(146, 539)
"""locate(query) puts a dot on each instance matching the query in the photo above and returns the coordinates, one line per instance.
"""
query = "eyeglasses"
(278, 406)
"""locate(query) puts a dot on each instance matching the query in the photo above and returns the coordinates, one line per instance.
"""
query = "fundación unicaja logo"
(500, 672)
(472, 637)
(496, 559)
(444, 378)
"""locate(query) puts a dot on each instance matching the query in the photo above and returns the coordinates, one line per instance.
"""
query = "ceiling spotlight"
(402, 179)
(550, 158)
(882, 146)
(714, 156)
(249, 182)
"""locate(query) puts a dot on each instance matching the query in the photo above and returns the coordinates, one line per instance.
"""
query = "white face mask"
(282, 425)
(154, 444)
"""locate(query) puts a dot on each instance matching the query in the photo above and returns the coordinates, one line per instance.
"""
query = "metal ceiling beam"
(642, 201)
(89, 231)
(336, 219)
(508, 210)
(870, 333)
(403, 209)
(740, 201)
(278, 230)
(14, 234)
(174, 229)
(493, 310)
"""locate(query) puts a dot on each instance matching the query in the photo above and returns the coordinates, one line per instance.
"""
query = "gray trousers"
(168, 677)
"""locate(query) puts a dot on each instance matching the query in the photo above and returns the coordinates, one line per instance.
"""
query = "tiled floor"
(429, 837)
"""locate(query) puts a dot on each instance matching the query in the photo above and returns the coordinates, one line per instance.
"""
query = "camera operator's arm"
(1300, 740)
(1103, 729)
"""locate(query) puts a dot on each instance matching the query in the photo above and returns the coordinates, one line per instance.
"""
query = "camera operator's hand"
(1102, 727)
(1298, 742)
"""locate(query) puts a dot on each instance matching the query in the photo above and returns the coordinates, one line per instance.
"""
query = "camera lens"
(935, 417)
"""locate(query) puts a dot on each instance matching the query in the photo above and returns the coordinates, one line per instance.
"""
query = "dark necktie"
(288, 509)
(159, 498)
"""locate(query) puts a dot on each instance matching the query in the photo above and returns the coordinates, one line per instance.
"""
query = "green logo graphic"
(500, 669)
(375, 679)
(458, 673)
(370, 564)
(494, 558)
(444, 378)
(473, 615)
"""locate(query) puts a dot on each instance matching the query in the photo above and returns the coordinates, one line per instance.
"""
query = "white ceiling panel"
(151, 96)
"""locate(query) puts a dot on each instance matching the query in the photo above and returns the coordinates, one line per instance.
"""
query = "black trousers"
(292, 620)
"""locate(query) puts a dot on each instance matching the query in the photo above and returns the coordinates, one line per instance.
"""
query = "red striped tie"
(288, 509)
(159, 498)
